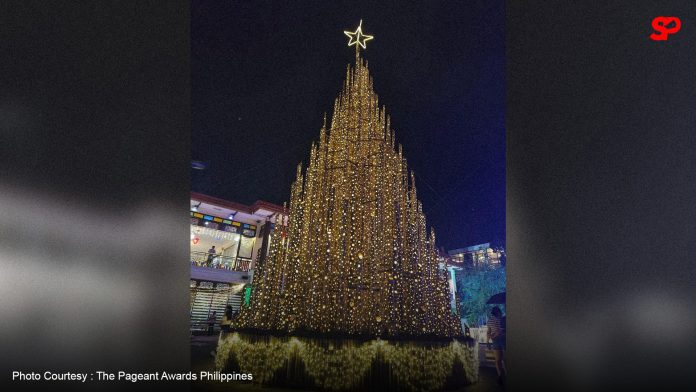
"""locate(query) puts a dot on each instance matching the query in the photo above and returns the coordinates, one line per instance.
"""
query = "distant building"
(477, 256)
(241, 236)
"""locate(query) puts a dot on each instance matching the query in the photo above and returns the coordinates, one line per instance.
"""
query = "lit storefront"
(478, 256)
(234, 242)
(227, 240)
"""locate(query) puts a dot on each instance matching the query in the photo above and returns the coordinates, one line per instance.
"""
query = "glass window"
(231, 246)
(247, 246)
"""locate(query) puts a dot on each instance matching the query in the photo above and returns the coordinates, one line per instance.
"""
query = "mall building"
(227, 240)
(478, 256)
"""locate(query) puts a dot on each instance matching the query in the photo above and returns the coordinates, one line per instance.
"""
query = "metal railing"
(208, 260)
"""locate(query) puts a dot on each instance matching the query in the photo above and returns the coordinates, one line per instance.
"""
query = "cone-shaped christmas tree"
(355, 257)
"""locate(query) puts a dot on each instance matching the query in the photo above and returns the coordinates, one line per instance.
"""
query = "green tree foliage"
(474, 288)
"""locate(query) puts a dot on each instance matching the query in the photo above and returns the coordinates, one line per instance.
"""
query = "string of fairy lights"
(344, 365)
(355, 256)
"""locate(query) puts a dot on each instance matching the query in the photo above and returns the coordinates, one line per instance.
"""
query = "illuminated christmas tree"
(355, 257)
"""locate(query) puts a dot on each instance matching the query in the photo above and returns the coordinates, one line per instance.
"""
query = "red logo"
(664, 25)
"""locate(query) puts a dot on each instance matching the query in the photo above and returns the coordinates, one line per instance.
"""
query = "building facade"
(478, 256)
(227, 240)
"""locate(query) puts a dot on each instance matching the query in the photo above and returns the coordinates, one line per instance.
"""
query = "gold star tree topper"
(357, 37)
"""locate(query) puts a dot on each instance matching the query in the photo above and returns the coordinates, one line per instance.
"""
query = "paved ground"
(201, 359)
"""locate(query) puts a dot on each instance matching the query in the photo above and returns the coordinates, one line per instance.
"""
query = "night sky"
(264, 73)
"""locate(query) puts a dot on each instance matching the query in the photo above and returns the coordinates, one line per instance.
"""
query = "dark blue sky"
(263, 74)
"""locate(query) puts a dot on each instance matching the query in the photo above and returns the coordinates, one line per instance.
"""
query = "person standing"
(227, 319)
(211, 322)
(496, 334)
(211, 256)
